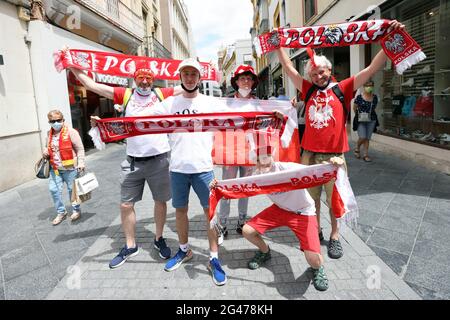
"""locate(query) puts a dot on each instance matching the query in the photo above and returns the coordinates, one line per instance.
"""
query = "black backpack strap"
(338, 92)
(307, 97)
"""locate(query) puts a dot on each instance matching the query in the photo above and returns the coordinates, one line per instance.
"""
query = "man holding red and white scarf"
(326, 113)
(147, 158)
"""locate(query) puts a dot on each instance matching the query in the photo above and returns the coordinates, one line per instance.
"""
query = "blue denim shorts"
(181, 184)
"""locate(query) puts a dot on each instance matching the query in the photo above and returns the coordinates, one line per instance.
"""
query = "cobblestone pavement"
(70, 261)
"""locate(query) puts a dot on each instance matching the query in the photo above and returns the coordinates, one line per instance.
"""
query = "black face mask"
(190, 91)
(325, 86)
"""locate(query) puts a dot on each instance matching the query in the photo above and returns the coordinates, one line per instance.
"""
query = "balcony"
(118, 13)
(154, 48)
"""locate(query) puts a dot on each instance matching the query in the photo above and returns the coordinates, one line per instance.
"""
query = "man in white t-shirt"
(294, 209)
(191, 164)
(147, 158)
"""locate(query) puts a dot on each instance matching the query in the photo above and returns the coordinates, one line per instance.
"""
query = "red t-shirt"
(325, 129)
(119, 93)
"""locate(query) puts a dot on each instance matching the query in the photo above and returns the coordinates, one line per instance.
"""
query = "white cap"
(190, 62)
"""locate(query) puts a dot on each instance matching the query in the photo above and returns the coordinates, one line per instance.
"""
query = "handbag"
(77, 198)
(86, 183)
(364, 117)
(42, 168)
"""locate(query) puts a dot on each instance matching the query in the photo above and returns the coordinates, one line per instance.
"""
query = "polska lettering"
(313, 179)
(241, 187)
(149, 126)
(119, 128)
(334, 35)
(123, 65)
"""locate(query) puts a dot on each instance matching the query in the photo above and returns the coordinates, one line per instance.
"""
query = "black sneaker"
(123, 255)
(335, 249)
(259, 259)
(161, 246)
(321, 238)
(239, 227)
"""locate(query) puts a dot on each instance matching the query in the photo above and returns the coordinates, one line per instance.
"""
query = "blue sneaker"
(161, 246)
(178, 259)
(218, 275)
(123, 255)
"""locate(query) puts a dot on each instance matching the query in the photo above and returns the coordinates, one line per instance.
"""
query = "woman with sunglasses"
(66, 153)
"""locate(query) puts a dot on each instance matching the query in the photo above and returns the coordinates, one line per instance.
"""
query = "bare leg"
(182, 223)
(254, 237)
(334, 225)
(212, 235)
(160, 213)
(366, 147)
(315, 260)
(128, 217)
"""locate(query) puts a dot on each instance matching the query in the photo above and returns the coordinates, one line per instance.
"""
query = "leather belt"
(132, 159)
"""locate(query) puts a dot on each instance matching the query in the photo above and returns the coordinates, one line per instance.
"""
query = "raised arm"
(288, 66)
(377, 63)
(101, 89)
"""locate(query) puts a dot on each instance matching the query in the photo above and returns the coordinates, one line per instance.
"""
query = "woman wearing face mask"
(364, 107)
(66, 153)
(243, 81)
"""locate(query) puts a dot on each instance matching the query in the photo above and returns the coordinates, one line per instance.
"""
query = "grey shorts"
(155, 171)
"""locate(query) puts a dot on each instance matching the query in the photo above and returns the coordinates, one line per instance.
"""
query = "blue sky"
(218, 22)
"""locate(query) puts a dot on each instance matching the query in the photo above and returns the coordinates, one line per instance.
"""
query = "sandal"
(367, 159)
(356, 153)
(59, 218)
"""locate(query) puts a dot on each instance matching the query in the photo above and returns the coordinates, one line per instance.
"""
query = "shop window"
(416, 105)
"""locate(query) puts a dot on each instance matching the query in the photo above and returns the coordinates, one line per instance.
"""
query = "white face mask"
(57, 126)
(144, 92)
(244, 92)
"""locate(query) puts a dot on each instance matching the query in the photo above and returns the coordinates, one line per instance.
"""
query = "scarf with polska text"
(398, 45)
(343, 201)
(113, 129)
(122, 65)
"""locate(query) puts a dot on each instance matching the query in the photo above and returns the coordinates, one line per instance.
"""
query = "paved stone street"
(70, 261)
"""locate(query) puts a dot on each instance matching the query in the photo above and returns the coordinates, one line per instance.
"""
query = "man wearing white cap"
(191, 165)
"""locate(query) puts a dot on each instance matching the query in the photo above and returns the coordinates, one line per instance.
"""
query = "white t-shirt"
(148, 144)
(191, 151)
(296, 200)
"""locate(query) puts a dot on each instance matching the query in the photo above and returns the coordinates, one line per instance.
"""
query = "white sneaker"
(446, 90)
(444, 137)
(425, 69)
(409, 82)
(425, 137)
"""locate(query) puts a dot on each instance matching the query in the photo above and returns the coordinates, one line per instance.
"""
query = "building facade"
(27, 48)
(230, 58)
(177, 31)
(414, 108)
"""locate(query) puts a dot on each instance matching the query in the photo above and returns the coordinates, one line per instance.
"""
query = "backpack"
(129, 92)
(336, 90)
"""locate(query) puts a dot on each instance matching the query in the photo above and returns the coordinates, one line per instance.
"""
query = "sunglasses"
(141, 78)
(57, 120)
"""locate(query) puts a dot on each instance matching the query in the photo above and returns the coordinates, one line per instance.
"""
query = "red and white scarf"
(398, 45)
(343, 201)
(124, 65)
(113, 129)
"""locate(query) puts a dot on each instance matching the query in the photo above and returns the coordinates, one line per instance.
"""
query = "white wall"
(16, 92)
(30, 86)
(51, 86)
(19, 127)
